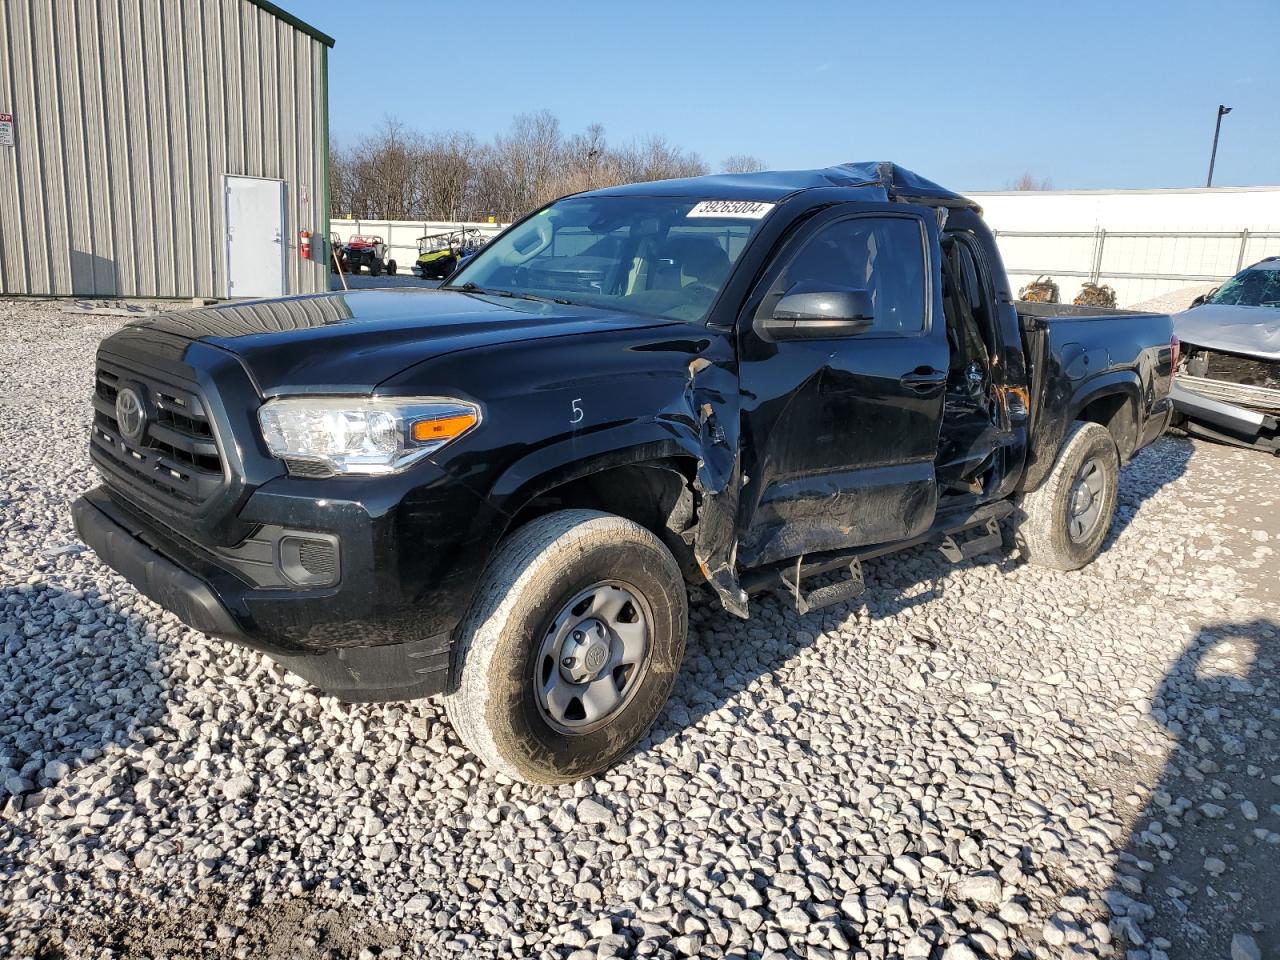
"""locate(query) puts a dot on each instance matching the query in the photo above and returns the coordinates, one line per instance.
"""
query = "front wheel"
(391, 268)
(570, 648)
(1066, 519)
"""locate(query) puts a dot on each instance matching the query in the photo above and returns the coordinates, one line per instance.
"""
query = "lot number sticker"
(6, 129)
(742, 209)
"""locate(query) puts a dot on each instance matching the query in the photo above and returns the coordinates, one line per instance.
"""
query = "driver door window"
(882, 255)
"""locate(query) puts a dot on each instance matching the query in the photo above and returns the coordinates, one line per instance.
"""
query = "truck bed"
(1094, 363)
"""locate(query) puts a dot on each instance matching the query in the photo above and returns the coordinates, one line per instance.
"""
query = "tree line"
(397, 173)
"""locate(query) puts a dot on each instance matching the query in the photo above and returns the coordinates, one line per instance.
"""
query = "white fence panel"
(1143, 243)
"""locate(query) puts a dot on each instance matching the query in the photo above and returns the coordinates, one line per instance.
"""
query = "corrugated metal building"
(161, 149)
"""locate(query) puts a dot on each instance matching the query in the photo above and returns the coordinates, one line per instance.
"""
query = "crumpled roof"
(875, 179)
(1252, 331)
(899, 183)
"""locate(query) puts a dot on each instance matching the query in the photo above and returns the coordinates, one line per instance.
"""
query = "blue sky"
(1117, 94)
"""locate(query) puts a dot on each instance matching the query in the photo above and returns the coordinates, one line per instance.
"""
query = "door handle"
(923, 380)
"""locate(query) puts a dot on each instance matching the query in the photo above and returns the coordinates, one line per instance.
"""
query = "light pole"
(1217, 128)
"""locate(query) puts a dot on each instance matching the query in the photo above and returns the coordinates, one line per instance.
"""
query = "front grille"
(176, 459)
(1233, 379)
(1233, 368)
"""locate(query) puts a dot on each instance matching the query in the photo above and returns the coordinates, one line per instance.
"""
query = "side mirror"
(1203, 298)
(815, 314)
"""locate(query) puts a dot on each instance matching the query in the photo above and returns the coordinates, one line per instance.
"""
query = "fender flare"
(1122, 383)
(545, 469)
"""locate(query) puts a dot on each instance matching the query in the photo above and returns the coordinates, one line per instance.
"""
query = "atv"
(367, 251)
(439, 254)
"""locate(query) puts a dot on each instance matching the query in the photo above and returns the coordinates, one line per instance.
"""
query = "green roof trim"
(293, 21)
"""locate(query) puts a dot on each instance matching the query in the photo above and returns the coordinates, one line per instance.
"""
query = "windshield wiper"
(534, 296)
(470, 287)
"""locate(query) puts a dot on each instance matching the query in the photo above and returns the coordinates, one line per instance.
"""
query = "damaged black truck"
(498, 491)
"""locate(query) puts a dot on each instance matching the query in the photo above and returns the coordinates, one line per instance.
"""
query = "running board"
(957, 551)
(786, 582)
(825, 596)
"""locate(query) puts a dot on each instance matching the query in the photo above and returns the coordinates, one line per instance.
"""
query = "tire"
(501, 659)
(391, 268)
(353, 268)
(1054, 529)
(375, 267)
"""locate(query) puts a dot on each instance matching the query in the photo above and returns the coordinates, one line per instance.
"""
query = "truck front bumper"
(213, 600)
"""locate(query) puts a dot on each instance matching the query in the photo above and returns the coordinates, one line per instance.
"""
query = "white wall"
(402, 235)
(1217, 210)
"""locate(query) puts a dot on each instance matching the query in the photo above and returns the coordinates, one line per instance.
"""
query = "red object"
(305, 244)
(1176, 344)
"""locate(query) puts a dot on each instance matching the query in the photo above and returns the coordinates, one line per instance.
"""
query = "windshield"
(659, 256)
(1255, 287)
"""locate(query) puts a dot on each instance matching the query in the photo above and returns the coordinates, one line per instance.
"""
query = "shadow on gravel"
(1202, 865)
(717, 667)
(295, 929)
(1144, 476)
(75, 678)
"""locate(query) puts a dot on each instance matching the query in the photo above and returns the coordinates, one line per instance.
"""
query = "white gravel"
(973, 764)
(1173, 301)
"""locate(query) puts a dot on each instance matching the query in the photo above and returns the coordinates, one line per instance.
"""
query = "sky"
(972, 95)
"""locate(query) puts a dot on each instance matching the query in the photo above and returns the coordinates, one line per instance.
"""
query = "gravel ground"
(1175, 300)
(982, 760)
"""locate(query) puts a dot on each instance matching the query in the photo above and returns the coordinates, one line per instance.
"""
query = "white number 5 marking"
(577, 411)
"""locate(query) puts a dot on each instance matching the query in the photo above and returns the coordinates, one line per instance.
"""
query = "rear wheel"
(375, 267)
(391, 268)
(570, 648)
(1066, 519)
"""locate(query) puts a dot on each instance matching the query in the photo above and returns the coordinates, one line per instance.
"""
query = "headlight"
(317, 436)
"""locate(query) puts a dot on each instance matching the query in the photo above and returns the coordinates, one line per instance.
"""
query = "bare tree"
(655, 159)
(447, 168)
(743, 163)
(399, 174)
(1028, 182)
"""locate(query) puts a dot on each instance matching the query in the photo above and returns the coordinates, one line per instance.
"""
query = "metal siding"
(128, 115)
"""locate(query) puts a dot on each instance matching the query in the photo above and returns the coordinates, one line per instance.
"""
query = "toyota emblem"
(131, 415)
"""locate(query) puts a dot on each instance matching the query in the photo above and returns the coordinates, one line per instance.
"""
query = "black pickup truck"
(498, 490)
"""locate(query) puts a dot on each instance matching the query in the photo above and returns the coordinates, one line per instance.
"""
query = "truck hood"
(351, 342)
(1252, 331)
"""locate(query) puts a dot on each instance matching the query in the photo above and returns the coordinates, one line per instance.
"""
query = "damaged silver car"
(1228, 384)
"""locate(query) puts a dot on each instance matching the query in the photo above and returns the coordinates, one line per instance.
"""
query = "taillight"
(1176, 346)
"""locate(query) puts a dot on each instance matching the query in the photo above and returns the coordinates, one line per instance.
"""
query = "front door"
(255, 237)
(840, 434)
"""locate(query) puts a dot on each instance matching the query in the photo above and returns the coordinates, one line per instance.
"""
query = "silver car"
(1228, 383)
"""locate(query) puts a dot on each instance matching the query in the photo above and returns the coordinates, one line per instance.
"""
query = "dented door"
(839, 435)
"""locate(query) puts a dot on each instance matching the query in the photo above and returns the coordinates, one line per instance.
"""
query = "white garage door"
(255, 237)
